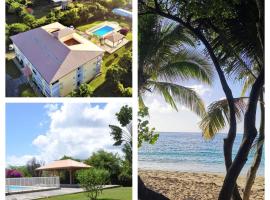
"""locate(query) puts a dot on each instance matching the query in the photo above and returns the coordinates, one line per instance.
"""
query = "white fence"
(31, 184)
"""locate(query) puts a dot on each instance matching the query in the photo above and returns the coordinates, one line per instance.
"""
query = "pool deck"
(111, 50)
(46, 194)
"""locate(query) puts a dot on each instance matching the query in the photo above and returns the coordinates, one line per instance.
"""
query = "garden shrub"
(124, 31)
(108, 161)
(125, 177)
(92, 181)
(125, 92)
(12, 173)
(17, 28)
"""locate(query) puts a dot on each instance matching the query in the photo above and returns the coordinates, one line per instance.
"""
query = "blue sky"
(165, 119)
(49, 131)
(23, 124)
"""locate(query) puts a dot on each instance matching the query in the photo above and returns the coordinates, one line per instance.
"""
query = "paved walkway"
(110, 50)
(50, 193)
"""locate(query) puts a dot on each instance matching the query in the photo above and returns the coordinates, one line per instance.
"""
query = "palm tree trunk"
(250, 133)
(258, 156)
(229, 140)
(147, 194)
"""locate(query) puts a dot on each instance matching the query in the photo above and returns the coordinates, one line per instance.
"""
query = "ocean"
(189, 152)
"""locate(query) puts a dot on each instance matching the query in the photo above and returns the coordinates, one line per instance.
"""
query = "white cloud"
(201, 89)
(75, 130)
(166, 119)
(19, 160)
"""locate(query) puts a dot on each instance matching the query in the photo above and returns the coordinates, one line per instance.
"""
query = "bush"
(92, 180)
(70, 17)
(108, 161)
(114, 74)
(29, 20)
(17, 28)
(124, 31)
(12, 173)
(125, 176)
(14, 7)
(83, 91)
(125, 92)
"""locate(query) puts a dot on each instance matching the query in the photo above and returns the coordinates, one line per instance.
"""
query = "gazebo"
(60, 165)
(114, 39)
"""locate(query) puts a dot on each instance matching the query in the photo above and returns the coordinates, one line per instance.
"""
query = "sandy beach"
(193, 186)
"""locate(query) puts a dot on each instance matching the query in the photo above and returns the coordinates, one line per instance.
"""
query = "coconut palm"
(217, 117)
(166, 57)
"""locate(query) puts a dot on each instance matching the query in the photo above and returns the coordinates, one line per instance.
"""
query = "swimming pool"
(17, 188)
(103, 31)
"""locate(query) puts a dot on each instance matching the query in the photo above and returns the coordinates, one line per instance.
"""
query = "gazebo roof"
(114, 37)
(64, 164)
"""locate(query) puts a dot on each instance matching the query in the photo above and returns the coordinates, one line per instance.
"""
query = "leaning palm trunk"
(257, 157)
(250, 133)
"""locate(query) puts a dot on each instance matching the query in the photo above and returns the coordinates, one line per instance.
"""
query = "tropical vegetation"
(92, 181)
(232, 34)
(122, 136)
(167, 56)
(23, 15)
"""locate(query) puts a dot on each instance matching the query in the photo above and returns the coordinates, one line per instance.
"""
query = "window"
(78, 83)
(34, 72)
(79, 75)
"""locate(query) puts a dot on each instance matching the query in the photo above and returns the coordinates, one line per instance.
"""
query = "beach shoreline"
(194, 185)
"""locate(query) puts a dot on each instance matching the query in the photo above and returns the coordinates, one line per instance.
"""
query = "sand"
(194, 186)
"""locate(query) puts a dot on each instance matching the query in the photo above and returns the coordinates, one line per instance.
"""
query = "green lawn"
(25, 90)
(122, 193)
(11, 69)
(98, 86)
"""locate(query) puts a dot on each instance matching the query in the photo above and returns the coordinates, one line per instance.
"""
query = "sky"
(166, 119)
(50, 131)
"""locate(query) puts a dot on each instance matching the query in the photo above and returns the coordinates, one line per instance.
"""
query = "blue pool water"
(189, 152)
(103, 31)
(16, 188)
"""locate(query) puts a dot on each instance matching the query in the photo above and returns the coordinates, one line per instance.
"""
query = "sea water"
(189, 152)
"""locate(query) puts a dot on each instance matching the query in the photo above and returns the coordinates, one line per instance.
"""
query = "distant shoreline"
(172, 132)
(191, 185)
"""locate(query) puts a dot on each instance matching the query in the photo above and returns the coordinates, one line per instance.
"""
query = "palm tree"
(166, 57)
(236, 31)
(217, 117)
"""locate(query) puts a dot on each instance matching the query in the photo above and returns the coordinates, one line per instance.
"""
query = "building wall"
(88, 71)
(66, 84)
(44, 87)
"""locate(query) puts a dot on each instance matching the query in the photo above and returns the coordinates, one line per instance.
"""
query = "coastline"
(194, 185)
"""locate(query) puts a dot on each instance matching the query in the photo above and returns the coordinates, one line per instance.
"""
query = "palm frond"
(247, 84)
(217, 116)
(176, 94)
(185, 66)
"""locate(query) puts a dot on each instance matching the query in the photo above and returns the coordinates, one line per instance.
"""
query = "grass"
(97, 85)
(25, 90)
(11, 69)
(122, 193)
